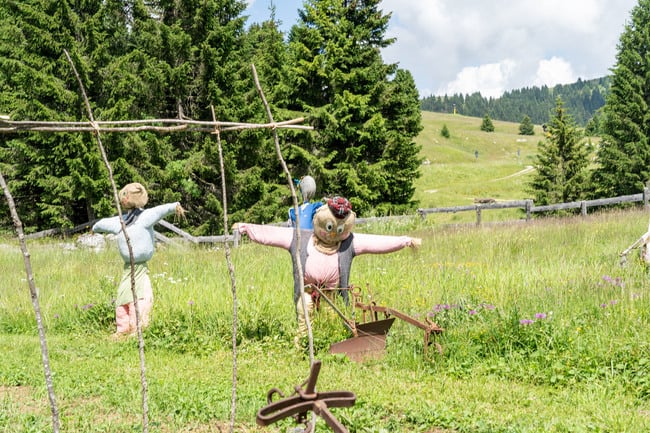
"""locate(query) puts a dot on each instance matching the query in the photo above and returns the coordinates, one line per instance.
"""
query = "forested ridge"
(582, 100)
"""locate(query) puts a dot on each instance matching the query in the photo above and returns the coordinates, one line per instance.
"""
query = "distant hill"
(582, 100)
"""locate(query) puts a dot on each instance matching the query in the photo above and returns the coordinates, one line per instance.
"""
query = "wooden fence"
(478, 208)
(529, 207)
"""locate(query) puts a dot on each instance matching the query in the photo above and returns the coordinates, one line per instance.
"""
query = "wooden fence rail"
(526, 205)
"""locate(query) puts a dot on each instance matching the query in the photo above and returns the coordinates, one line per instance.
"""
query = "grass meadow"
(545, 331)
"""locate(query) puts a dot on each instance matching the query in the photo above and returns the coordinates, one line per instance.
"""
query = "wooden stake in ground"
(295, 207)
(231, 272)
(143, 376)
(37, 309)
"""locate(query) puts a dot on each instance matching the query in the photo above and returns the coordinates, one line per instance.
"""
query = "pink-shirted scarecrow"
(139, 226)
(326, 253)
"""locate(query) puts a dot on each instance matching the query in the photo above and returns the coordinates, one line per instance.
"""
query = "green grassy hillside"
(455, 176)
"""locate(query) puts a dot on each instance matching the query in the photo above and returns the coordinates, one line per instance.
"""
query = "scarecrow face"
(333, 223)
(124, 199)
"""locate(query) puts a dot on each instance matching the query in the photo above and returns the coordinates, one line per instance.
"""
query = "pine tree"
(526, 126)
(445, 131)
(486, 124)
(624, 154)
(52, 176)
(366, 122)
(561, 162)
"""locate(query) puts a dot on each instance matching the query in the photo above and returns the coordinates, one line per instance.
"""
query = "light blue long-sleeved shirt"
(140, 232)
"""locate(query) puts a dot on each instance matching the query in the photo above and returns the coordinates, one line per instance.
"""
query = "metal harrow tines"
(305, 400)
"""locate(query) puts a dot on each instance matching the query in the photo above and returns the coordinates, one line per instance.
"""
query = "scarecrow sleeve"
(151, 216)
(379, 244)
(108, 225)
(273, 236)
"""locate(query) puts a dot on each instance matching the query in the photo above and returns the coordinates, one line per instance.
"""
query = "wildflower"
(613, 302)
(603, 305)
(525, 322)
(540, 316)
(471, 312)
(190, 303)
(56, 316)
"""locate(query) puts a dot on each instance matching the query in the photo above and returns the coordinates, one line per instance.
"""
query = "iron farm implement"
(298, 405)
(368, 339)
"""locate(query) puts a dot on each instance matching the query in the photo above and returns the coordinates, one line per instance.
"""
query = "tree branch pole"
(143, 378)
(231, 272)
(295, 207)
(173, 125)
(37, 309)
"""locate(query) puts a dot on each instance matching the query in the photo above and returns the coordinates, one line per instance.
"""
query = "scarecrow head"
(333, 224)
(133, 196)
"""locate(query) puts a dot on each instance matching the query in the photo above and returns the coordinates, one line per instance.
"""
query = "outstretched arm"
(274, 236)
(151, 216)
(380, 244)
(108, 225)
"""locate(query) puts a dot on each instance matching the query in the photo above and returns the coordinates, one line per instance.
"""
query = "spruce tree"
(52, 176)
(624, 154)
(366, 113)
(486, 124)
(526, 126)
(561, 162)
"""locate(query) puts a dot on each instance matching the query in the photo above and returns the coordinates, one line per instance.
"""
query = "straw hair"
(133, 195)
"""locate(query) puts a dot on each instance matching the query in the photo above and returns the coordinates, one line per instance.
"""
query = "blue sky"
(465, 46)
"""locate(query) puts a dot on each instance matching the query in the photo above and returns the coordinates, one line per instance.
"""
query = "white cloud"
(554, 71)
(490, 79)
(459, 45)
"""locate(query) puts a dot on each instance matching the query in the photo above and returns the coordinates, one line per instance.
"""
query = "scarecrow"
(326, 253)
(139, 224)
(307, 209)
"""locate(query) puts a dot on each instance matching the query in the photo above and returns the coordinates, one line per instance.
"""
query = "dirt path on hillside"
(528, 169)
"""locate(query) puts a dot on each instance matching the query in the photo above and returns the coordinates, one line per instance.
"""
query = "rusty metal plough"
(303, 401)
(369, 336)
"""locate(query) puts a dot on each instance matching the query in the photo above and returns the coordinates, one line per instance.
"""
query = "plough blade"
(370, 342)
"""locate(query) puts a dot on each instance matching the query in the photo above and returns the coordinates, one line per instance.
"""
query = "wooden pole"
(56, 425)
(143, 376)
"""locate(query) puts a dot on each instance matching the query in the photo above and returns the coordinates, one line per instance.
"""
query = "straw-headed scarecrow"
(139, 224)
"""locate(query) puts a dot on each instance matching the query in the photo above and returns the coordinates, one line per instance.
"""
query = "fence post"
(235, 238)
(645, 197)
(478, 215)
(529, 205)
(583, 208)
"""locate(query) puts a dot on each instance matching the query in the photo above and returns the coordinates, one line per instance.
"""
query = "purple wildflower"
(471, 312)
(540, 316)
(526, 322)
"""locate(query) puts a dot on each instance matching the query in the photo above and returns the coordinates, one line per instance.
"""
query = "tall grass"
(544, 331)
